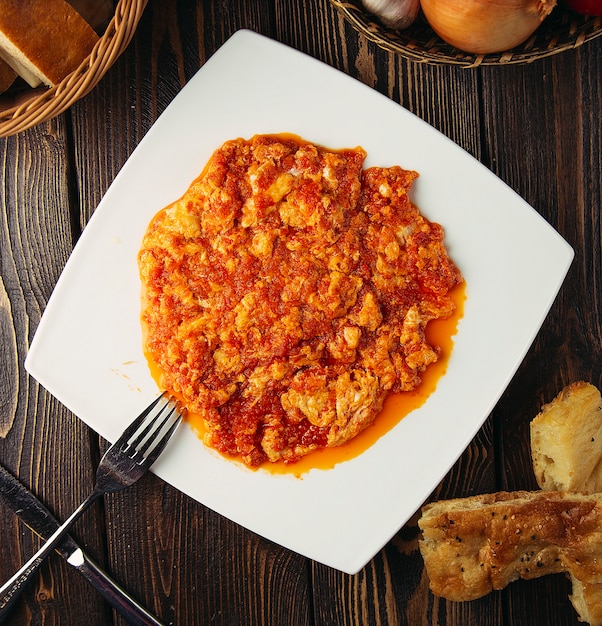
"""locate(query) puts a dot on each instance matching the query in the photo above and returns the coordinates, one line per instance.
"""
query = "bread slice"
(566, 441)
(475, 545)
(43, 41)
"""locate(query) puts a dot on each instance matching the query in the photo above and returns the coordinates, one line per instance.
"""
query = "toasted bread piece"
(566, 441)
(475, 545)
(43, 41)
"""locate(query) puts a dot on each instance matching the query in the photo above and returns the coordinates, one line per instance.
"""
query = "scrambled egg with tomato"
(287, 293)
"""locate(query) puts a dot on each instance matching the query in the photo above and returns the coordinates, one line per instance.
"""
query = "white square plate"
(88, 349)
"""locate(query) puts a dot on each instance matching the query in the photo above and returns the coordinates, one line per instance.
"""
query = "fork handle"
(11, 590)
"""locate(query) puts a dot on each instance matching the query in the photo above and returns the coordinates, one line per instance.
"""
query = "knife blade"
(39, 519)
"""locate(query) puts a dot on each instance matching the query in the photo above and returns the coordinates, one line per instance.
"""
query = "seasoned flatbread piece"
(472, 546)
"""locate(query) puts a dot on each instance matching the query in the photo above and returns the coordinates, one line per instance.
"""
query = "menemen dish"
(287, 293)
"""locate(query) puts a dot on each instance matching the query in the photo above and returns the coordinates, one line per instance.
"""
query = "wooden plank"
(42, 443)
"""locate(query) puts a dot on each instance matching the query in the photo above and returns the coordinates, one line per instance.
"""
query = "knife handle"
(11, 592)
(118, 598)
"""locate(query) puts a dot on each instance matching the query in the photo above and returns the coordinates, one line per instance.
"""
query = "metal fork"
(121, 466)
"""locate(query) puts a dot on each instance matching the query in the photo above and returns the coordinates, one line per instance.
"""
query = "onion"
(485, 26)
(397, 14)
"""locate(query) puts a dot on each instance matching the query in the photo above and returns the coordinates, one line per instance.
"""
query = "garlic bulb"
(485, 26)
(398, 14)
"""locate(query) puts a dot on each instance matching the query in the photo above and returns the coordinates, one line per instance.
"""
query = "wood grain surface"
(536, 126)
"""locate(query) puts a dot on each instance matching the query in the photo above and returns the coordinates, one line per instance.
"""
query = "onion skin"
(485, 26)
(396, 14)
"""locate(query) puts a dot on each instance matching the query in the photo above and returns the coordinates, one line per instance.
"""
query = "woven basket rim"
(562, 30)
(41, 104)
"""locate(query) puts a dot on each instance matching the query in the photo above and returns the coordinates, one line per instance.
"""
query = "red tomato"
(588, 7)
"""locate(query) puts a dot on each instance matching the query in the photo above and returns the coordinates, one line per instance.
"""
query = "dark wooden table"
(536, 126)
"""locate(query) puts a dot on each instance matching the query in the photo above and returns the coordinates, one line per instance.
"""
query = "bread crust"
(43, 41)
(472, 546)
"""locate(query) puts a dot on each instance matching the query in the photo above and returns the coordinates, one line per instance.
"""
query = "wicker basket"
(28, 108)
(561, 30)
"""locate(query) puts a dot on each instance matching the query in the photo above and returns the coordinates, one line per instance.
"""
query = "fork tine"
(148, 436)
(150, 442)
(135, 425)
(135, 440)
(158, 445)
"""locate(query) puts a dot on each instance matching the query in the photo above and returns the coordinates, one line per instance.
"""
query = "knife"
(39, 519)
